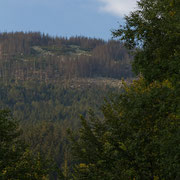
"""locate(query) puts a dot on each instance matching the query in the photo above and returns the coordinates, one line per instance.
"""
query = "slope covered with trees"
(47, 82)
(32, 102)
(16, 159)
(30, 56)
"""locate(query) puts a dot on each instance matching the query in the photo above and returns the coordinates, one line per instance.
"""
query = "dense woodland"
(33, 102)
(46, 111)
(132, 134)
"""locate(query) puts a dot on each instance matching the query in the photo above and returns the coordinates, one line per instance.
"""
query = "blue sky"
(91, 18)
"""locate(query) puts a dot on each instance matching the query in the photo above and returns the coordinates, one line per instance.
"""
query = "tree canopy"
(16, 160)
(138, 138)
(153, 30)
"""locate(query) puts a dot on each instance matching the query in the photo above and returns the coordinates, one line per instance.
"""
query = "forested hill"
(35, 56)
(45, 78)
(47, 83)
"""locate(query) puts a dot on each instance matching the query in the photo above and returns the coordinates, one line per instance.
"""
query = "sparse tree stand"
(139, 136)
(16, 160)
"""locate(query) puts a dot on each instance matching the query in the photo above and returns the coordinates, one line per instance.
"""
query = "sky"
(90, 18)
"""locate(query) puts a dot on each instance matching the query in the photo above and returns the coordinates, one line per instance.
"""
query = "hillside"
(48, 82)
(35, 56)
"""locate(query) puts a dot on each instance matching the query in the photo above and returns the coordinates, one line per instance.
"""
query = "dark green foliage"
(135, 139)
(35, 101)
(8, 137)
(154, 30)
(50, 139)
(138, 138)
(16, 160)
(45, 111)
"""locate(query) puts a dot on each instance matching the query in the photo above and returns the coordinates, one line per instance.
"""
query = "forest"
(47, 83)
(86, 109)
(35, 56)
